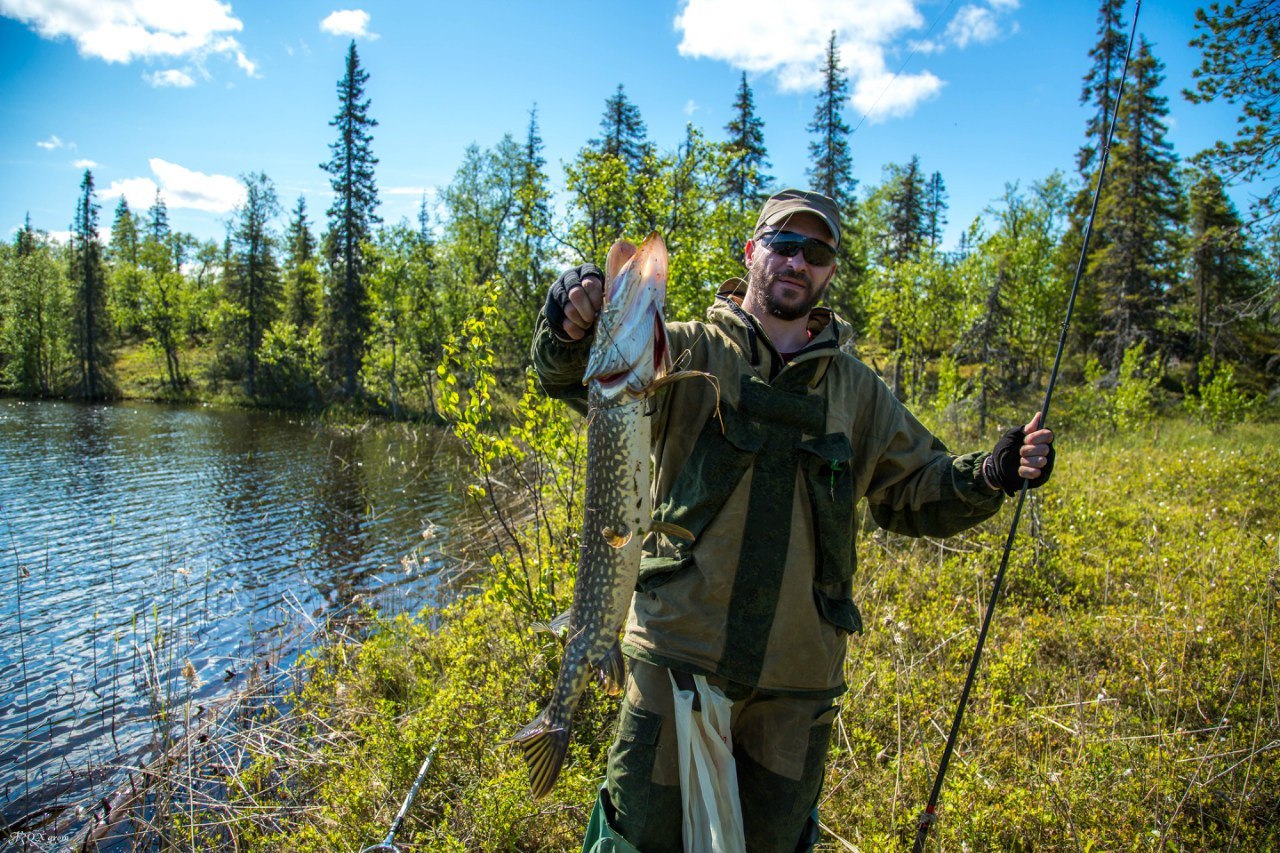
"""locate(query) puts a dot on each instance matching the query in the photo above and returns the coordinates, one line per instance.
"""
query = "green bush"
(1221, 402)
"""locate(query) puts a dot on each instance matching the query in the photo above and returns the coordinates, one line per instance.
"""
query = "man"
(765, 471)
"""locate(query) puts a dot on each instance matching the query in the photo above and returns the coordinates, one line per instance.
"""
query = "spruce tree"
(531, 227)
(745, 179)
(907, 208)
(622, 132)
(351, 221)
(253, 286)
(831, 173)
(831, 163)
(935, 210)
(1241, 44)
(92, 329)
(1224, 297)
(1139, 217)
(301, 278)
(124, 259)
(1102, 83)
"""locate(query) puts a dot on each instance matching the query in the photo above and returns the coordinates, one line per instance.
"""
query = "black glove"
(558, 296)
(1001, 467)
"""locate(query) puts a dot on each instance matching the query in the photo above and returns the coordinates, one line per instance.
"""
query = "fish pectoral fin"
(672, 531)
(557, 627)
(613, 670)
(616, 538)
(544, 746)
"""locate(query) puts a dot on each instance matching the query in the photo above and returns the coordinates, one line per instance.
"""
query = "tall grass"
(1127, 699)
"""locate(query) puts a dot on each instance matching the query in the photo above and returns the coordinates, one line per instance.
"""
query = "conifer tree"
(162, 293)
(253, 286)
(1139, 217)
(831, 173)
(745, 179)
(1224, 296)
(935, 210)
(831, 163)
(610, 181)
(1102, 83)
(124, 259)
(301, 277)
(351, 221)
(531, 227)
(907, 209)
(158, 220)
(1241, 42)
(622, 132)
(92, 329)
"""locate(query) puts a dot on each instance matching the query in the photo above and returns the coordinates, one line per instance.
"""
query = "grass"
(1127, 698)
(1126, 701)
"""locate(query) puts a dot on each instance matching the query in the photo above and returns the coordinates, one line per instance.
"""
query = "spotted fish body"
(628, 356)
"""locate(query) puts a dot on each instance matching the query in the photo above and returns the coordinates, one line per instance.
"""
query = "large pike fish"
(629, 359)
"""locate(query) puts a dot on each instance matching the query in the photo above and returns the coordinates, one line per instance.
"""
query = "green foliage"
(35, 334)
(525, 477)
(1221, 402)
(291, 363)
(1084, 408)
(1134, 402)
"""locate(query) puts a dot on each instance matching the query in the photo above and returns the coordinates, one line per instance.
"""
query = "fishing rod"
(930, 816)
(388, 844)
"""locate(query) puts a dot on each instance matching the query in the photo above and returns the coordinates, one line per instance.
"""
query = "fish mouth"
(636, 380)
(631, 348)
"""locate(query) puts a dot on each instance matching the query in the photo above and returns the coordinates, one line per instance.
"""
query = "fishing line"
(929, 815)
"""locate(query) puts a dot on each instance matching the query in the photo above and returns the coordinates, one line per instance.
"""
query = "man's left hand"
(1022, 453)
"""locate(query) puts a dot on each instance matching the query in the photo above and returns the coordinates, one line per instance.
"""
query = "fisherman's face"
(788, 288)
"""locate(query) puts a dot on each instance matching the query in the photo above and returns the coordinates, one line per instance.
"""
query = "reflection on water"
(130, 529)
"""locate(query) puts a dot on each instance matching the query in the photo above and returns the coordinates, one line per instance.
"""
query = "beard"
(777, 298)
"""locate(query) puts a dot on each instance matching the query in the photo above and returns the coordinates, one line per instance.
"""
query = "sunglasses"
(789, 244)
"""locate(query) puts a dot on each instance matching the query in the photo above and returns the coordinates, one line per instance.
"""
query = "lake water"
(135, 538)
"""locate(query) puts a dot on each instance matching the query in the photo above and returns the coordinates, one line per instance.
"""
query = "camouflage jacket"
(766, 471)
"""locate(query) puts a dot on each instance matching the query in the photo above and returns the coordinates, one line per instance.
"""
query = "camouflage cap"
(783, 205)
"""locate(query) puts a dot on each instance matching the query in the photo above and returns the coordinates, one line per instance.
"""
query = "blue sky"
(190, 95)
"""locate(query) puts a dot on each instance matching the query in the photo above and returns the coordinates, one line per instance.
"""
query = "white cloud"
(181, 188)
(973, 24)
(348, 22)
(170, 77)
(127, 30)
(869, 34)
(417, 192)
(53, 143)
(85, 164)
(690, 107)
(881, 97)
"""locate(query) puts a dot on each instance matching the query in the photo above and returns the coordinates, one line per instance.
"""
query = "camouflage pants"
(780, 748)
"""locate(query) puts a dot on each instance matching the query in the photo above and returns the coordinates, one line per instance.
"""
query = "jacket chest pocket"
(826, 464)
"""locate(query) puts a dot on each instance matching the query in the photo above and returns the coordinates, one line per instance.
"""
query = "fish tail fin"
(544, 746)
(613, 670)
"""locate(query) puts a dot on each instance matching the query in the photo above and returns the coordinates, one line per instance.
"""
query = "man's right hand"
(574, 301)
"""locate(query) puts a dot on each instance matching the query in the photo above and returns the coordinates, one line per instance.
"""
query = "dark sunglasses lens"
(816, 252)
(788, 247)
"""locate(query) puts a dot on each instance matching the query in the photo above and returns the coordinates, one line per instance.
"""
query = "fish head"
(630, 349)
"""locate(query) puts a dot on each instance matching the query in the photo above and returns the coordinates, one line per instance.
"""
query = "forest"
(342, 309)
